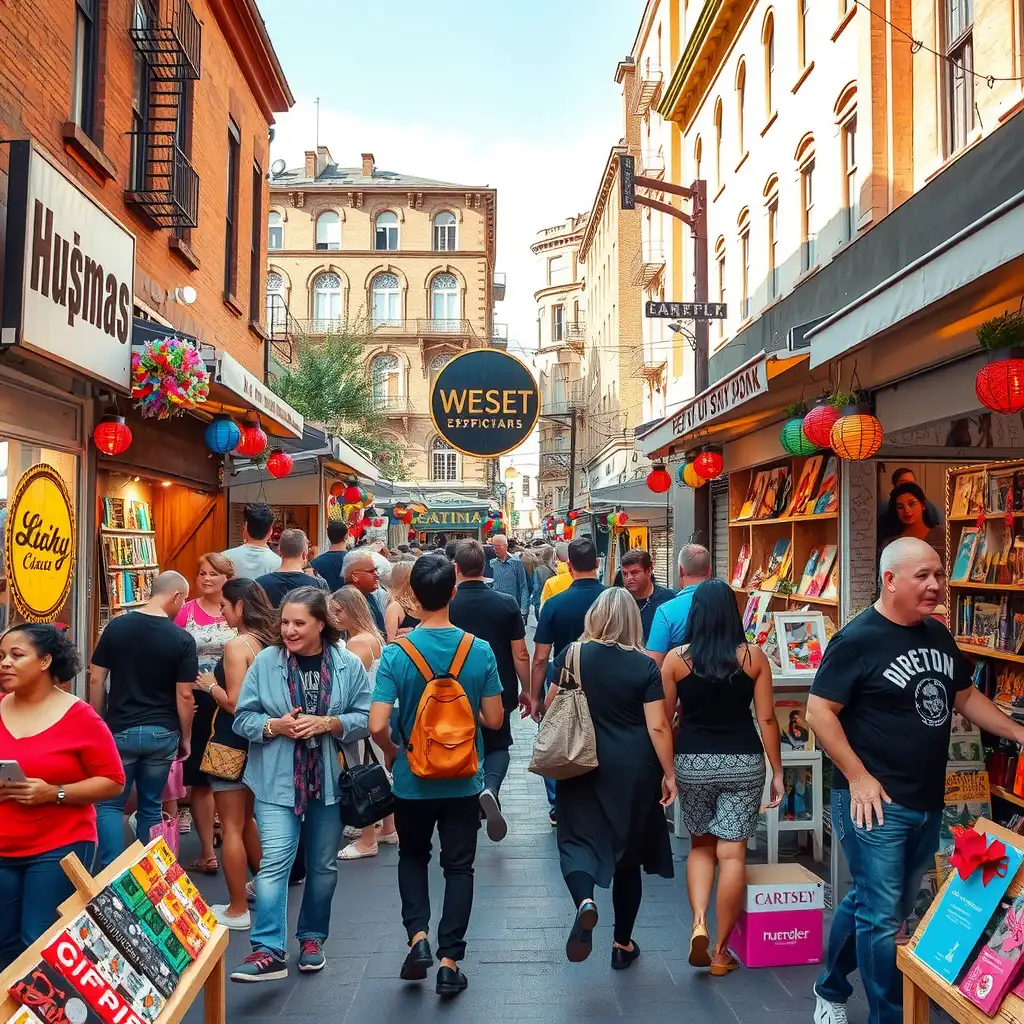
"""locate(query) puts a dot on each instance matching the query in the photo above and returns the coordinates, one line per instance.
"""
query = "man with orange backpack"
(446, 685)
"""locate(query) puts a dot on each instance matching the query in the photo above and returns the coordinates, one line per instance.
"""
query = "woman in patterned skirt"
(720, 772)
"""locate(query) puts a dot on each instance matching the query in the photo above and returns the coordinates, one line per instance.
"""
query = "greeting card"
(999, 962)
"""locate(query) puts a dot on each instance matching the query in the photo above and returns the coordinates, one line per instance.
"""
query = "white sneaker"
(240, 924)
(829, 1013)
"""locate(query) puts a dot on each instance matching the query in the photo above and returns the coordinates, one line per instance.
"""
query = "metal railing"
(444, 326)
(170, 40)
(166, 185)
(392, 405)
(648, 85)
(648, 264)
(652, 164)
(319, 326)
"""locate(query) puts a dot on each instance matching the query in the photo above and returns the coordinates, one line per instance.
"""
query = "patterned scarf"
(308, 768)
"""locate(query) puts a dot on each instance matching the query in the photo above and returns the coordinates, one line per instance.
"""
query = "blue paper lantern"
(222, 435)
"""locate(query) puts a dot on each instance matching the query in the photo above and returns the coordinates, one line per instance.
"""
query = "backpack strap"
(416, 658)
(461, 653)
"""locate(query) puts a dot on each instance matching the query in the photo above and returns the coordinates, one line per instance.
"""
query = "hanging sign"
(40, 544)
(448, 517)
(686, 310)
(485, 403)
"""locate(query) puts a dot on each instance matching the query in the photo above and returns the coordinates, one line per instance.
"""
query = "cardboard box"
(781, 922)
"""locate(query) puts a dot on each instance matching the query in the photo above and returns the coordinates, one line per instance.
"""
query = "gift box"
(129, 891)
(781, 921)
(52, 998)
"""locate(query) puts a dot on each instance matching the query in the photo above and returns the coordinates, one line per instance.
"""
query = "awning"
(235, 391)
(988, 245)
(742, 401)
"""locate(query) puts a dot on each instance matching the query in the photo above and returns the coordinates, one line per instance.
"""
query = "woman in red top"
(70, 762)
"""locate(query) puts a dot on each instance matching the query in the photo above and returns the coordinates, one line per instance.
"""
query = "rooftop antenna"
(317, 101)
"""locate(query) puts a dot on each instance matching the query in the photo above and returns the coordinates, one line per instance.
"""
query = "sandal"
(203, 867)
(724, 967)
(352, 852)
(699, 943)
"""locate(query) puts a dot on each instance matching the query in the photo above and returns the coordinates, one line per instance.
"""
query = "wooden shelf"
(1008, 587)
(813, 600)
(990, 652)
(117, 529)
(140, 565)
(820, 517)
(988, 515)
(1005, 794)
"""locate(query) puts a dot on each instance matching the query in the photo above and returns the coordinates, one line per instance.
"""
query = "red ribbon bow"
(971, 850)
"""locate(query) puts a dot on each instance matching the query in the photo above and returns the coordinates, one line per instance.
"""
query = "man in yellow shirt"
(561, 580)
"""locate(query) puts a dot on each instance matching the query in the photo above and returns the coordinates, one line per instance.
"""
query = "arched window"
(771, 201)
(720, 261)
(743, 226)
(275, 230)
(438, 363)
(276, 309)
(846, 118)
(444, 301)
(808, 222)
(718, 144)
(387, 300)
(768, 41)
(445, 232)
(802, 11)
(386, 235)
(741, 103)
(326, 303)
(698, 153)
(328, 230)
(444, 461)
(385, 375)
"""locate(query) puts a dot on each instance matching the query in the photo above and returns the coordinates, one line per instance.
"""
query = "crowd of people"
(284, 671)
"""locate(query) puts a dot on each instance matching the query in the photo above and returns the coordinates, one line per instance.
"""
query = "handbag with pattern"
(220, 760)
(566, 745)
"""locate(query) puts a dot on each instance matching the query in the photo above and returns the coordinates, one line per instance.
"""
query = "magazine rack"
(206, 974)
(920, 985)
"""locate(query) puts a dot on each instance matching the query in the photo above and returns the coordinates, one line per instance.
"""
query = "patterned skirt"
(720, 794)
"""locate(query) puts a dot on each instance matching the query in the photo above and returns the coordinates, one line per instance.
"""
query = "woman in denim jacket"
(301, 701)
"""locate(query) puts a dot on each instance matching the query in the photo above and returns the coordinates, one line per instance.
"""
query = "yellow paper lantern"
(691, 477)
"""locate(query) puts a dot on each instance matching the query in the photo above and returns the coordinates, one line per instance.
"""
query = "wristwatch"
(60, 794)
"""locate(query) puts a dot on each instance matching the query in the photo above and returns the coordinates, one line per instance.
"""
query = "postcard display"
(135, 945)
(783, 550)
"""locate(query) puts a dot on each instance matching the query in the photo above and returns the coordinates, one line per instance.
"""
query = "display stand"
(207, 974)
(920, 985)
(775, 822)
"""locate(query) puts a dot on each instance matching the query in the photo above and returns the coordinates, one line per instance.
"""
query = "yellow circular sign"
(39, 544)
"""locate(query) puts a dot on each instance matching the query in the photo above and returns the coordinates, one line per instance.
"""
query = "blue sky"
(516, 94)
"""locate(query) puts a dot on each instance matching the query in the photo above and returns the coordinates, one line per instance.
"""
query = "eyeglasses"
(369, 572)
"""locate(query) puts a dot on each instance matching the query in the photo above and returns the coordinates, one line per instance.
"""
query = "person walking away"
(880, 706)
(449, 550)
(561, 623)
(363, 574)
(611, 821)
(495, 619)
(246, 609)
(541, 574)
(293, 545)
(202, 619)
(436, 786)
(562, 579)
(300, 699)
(151, 665)
(402, 613)
(70, 763)
(638, 578)
(330, 565)
(719, 762)
(510, 575)
(253, 557)
(363, 639)
(669, 625)
(530, 561)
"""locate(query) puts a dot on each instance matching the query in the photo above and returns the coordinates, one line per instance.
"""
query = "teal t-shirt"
(399, 680)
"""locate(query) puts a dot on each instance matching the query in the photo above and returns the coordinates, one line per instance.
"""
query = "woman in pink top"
(202, 618)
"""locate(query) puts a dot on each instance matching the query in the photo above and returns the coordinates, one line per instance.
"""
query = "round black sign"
(485, 402)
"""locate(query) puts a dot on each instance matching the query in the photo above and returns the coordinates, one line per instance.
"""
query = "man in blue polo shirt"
(670, 619)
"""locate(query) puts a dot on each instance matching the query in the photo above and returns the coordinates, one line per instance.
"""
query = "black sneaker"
(260, 967)
(311, 956)
(418, 962)
(497, 827)
(450, 982)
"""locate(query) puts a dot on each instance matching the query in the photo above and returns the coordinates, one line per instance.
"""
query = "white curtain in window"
(444, 232)
(387, 300)
(444, 298)
(275, 230)
(327, 301)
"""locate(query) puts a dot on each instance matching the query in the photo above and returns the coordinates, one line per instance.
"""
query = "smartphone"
(10, 771)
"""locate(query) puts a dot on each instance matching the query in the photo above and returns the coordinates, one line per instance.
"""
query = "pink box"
(781, 922)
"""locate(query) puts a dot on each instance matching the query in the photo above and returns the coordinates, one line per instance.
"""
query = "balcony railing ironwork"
(648, 264)
(444, 326)
(169, 37)
(652, 164)
(165, 184)
(392, 405)
(499, 335)
(648, 86)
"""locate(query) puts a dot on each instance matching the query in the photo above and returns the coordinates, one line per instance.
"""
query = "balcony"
(499, 336)
(653, 371)
(319, 327)
(648, 86)
(165, 184)
(283, 330)
(560, 397)
(169, 38)
(392, 405)
(450, 327)
(652, 165)
(554, 457)
(498, 287)
(648, 265)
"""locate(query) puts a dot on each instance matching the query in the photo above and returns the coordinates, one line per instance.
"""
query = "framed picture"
(802, 641)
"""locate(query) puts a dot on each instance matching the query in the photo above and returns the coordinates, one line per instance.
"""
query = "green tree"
(328, 383)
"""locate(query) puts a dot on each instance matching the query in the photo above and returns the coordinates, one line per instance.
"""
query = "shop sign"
(485, 403)
(40, 544)
(235, 377)
(448, 517)
(70, 272)
(747, 382)
(686, 310)
(639, 538)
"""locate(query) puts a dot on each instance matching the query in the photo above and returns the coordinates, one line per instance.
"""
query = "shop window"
(86, 62)
(958, 72)
(445, 232)
(444, 461)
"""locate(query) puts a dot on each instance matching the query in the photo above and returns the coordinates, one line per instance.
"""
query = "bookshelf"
(128, 553)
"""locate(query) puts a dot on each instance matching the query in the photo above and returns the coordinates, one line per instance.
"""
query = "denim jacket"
(265, 695)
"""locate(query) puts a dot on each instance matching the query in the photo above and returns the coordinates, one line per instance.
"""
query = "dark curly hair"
(46, 639)
(318, 603)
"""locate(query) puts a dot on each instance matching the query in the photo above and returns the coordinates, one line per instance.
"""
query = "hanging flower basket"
(168, 378)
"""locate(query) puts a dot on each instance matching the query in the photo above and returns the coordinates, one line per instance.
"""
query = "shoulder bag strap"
(569, 678)
(461, 653)
(416, 658)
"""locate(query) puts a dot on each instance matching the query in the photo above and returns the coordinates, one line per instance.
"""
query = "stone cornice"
(611, 168)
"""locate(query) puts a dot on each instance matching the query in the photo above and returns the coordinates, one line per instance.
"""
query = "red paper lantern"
(353, 495)
(1000, 384)
(112, 435)
(574, 515)
(279, 464)
(709, 463)
(818, 423)
(621, 518)
(658, 480)
(337, 489)
(253, 443)
(857, 434)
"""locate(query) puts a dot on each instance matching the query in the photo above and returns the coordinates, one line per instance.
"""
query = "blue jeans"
(279, 832)
(147, 752)
(31, 889)
(887, 865)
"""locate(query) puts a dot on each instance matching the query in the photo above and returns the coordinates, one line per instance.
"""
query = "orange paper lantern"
(857, 434)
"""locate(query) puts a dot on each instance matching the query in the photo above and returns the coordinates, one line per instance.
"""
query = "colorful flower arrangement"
(168, 377)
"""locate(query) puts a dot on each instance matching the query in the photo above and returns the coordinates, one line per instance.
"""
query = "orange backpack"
(443, 740)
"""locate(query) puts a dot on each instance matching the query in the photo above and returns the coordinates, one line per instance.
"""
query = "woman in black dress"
(611, 822)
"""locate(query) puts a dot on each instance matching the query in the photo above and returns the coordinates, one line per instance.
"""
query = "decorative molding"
(355, 200)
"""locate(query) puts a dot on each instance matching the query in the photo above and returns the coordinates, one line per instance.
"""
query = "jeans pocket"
(160, 743)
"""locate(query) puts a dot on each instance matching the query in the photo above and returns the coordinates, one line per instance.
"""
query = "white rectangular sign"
(235, 377)
(740, 386)
(71, 296)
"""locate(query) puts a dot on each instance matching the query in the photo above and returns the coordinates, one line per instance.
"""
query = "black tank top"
(716, 717)
(223, 720)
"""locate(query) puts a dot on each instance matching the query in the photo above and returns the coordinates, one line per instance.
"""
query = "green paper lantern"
(793, 438)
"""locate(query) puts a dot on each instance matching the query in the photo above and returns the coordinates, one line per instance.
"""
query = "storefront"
(649, 526)
(454, 519)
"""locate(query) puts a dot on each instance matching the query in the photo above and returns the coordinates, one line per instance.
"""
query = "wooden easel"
(920, 985)
(207, 974)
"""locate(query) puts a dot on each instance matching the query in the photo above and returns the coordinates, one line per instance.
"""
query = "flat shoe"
(720, 970)
(449, 982)
(391, 838)
(352, 852)
(418, 962)
(624, 958)
(581, 936)
(699, 944)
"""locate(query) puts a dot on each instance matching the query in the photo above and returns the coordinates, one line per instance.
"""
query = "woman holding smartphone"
(69, 763)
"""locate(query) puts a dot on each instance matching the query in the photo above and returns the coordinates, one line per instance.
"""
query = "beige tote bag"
(566, 745)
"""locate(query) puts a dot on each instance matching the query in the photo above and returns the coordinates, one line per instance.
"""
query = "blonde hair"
(614, 619)
(220, 564)
(401, 588)
(349, 600)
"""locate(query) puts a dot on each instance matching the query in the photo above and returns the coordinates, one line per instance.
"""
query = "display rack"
(128, 553)
(775, 819)
(206, 975)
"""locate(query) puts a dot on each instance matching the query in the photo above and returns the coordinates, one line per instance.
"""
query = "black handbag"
(364, 793)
